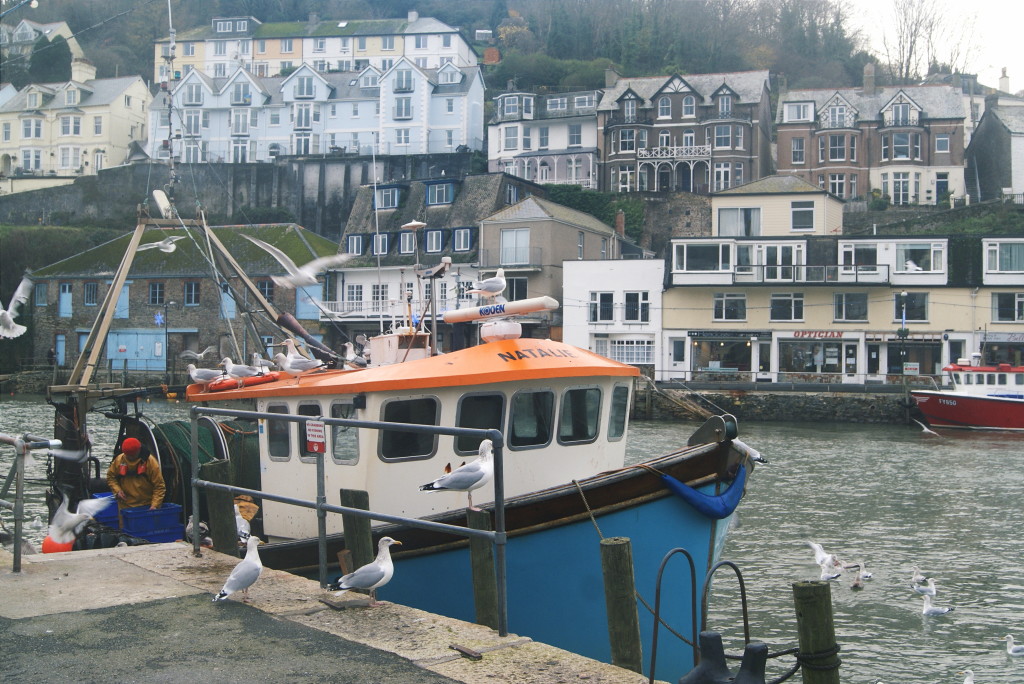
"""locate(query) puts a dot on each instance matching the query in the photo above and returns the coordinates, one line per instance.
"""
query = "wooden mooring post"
(620, 600)
(358, 538)
(485, 587)
(819, 653)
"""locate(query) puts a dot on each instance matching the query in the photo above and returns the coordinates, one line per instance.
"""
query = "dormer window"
(439, 193)
(900, 114)
(450, 76)
(837, 116)
(241, 25)
(70, 96)
(387, 198)
(369, 80)
(797, 111)
(511, 106)
(304, 87)
(629, 110)
(725, 105)
(223, 26)
(403, 81)
(240, 94)
(33, 100)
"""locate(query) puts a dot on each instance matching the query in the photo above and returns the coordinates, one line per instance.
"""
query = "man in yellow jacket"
(135, 481)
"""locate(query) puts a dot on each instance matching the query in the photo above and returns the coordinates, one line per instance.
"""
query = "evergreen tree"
(51, 61)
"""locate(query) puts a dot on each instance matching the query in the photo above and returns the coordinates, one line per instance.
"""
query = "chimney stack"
(869, 79)
(611, 77)
(620, 223)
(413, 16)
(82, 70)
(1004, 82)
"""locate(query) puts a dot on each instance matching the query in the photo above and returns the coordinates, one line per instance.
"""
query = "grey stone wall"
(829, 407)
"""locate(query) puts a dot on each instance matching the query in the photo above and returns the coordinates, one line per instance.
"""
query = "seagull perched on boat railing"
(372, 576)
(296, 366)
(203, 376)
(468, 476)
(489, 288)
(239, 371)
(198, 356)
(929, 609)
(299, 276)
(166, 245)
(8, 328)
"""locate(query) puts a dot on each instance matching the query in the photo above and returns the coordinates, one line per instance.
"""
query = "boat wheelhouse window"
(403, 444)
(967, 378)
(531, 419)
(956, 378)
(1018, 378)
(579, 416)
(313, 410)
(991, 378)
(484, 411)
(278, 434)
(344, 438)
(618, 412)
(1002, 378)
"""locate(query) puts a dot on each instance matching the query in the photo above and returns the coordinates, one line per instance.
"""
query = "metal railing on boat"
(497, 537)
(22, 446)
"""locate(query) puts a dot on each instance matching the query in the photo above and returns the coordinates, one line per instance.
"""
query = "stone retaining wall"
(780, 406)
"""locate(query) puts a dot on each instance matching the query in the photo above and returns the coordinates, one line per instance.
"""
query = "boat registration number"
(947, 402)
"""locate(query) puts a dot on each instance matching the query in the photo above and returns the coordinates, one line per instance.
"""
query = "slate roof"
(326, 28)
(936, 101)
(186, 260)
(1011, 117)
(774, 185)
(535, 208)
(95, 92)
(747, 85)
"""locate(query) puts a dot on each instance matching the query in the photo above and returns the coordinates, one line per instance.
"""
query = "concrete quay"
(145, 614)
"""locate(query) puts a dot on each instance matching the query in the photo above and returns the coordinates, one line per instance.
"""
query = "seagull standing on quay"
(371, 576)
(299, 276)
(245, 573)
(467, 477)
(8, 328)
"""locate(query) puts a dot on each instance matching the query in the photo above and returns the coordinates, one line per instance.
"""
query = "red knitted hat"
(131, 446)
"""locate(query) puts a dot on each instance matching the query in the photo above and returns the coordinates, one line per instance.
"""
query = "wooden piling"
(620, 601)
(485, 587)
(220, 508)
(358, 538)
(816, 631)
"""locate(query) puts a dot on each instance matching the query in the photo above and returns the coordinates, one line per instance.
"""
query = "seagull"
(299, 276)
(37, 523)
(166, 245)
(489, 287)
(468, 476)
(239, 371)
(204, 530)
(828, 572)
(822, 558)
(260, 362)
(858, 582)
(245, 573)
(297, 366)
(969, 679)
(203, 376)
(929, 609)
(1011, 648)
(916, 577)
(351, 358)
(864, 574)
(926, 589)
(925, 429)
(197, 356)
(372, 575)
(66, 525)
(242, 525)
(8, 328)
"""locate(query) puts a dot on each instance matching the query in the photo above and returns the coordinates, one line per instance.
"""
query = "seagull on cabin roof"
(351, 358)
(489, 287)
(298, 365)
(299, 276)
(239, 371)
(166, 245)
(203, 376)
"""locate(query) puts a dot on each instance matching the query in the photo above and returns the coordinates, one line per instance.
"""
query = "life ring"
(222, 384)
(51, 546)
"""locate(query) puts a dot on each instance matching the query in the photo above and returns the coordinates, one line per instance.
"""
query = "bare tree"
(905, 45)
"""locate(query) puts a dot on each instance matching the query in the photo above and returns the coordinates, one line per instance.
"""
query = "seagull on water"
(468, 476)
(8, 328)
(298, 365)
(929, 609)
(928, 589)
(489, 287)
(66, 525)
(371, 576)
(916, 576)
(299, 276)
(203, 376)
(829, 572)
(864, 574)
(245, 573)
(825, 559)
(1011, 648)
(166, 245)
(969, 679)
(239, 371)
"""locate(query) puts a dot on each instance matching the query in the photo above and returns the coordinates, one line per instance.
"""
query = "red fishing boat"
(980, 398)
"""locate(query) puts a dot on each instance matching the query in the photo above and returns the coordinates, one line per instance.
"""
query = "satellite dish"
(163, 204)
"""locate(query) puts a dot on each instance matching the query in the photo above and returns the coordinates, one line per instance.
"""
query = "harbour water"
(890, 495)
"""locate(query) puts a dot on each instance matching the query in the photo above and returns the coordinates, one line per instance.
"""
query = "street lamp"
(167, 345)
(31, 3)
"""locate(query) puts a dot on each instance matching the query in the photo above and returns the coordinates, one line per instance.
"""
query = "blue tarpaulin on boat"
(717, 506)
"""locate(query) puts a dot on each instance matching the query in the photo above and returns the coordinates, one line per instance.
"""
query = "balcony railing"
(889, 120)
(725, 116)
(620, 119)
(675, 152)
(582, 182)
(519, 257)
(848, 121)
(803, 274)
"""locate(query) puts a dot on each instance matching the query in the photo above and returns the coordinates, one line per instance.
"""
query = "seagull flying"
(829, 572)
(925, 430)
(203, 376)
(467, 477)
(8, 328)
(489, 287)
(927, 589)
(299, 276)
(825, 559)
(1011, 648)
(197, 356)
(370, 576)
(166, 245)
(297, 366)
(245, 573)
(66, 525)
(929, 609)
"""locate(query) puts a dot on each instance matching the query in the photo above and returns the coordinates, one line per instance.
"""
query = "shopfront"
(833, 352)
(1003, 348)
(721, 352)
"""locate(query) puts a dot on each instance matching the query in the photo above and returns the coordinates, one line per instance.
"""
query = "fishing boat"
(980, 397)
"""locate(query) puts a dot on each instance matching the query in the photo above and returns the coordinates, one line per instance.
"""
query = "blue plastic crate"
(173, 533)
(108, 516)
(142, 522)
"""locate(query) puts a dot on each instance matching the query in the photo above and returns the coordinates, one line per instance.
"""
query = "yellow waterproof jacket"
(140, 489)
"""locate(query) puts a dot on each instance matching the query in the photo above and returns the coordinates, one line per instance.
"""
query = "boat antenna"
(168, 143)
(376, 224)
